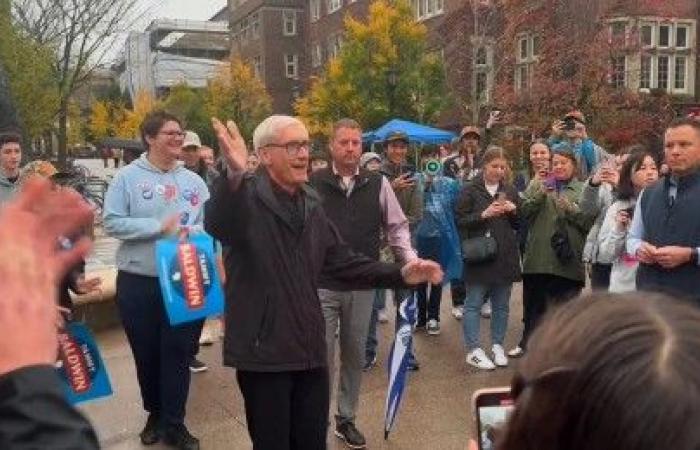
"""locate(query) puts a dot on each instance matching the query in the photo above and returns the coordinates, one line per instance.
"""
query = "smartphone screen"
(492, 410)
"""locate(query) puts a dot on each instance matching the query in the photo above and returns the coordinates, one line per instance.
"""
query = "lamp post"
(391, 81)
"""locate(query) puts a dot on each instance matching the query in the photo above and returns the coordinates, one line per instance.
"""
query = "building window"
(316, 56)
(680, 73)
(482, 86)
(646, 35)
(682, 36)
(335, 43)
(255, 26)
(535, 46)
(662, 71)
(291, 65)
(333, 6)
(664, 36)
(244, 29)
(617, 31)
(257, 66)
(645, 73)
(523, 52)
(315, 7)
(521, 78)
(426, 9)
(618, 71)
(481, 56)
(289, 23)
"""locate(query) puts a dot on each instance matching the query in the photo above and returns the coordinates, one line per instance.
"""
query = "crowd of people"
(310, 247)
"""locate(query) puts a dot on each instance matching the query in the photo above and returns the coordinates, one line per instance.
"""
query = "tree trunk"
(62, 134)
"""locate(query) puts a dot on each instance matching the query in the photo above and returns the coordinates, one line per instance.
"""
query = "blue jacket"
(139, 199)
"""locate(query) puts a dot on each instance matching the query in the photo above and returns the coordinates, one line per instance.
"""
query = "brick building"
(270, 36)
(289, 41)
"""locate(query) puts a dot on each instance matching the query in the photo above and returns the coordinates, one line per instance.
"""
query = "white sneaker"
(433, 327)
(478, 359)
(516, 352)
(382, 316)
(486, 310)
(457, 312)
(499, 356)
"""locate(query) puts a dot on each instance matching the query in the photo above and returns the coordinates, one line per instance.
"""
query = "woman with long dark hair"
(639, 171)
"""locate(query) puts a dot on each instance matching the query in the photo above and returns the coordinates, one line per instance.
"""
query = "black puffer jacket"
(473, 200)
(273, 315)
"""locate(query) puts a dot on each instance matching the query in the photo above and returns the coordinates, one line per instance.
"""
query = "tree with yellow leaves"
(235, 93)
(384, 71)
(128, 121)
(100, 124)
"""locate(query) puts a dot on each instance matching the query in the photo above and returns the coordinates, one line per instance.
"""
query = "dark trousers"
(600, 276)
(286, 410)
(428, 308)
(459, 292)
(161, 351)
(540, 291)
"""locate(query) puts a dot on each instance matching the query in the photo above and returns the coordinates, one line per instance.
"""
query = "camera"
(569, 123)
(432, 167)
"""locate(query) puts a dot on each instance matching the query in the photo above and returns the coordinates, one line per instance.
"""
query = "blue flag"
(399, 359)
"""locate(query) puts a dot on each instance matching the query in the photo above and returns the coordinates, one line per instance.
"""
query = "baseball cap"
(191, 140)
(469, 129)
(396, 136)
(369, 156)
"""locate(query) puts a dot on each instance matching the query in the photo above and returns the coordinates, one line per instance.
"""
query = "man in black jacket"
(281, 241)
(34, 413)
(362, 205)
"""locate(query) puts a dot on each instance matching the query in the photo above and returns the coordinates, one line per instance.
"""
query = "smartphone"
(492, 408)
(550, 183)
(501, 197)
(569, 123)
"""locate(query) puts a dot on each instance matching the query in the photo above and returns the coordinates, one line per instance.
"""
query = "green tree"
(189, 104)
(28, 68)
(384, 70)
(236, 93)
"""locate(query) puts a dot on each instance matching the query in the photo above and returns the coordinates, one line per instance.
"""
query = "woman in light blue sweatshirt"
(152, 197)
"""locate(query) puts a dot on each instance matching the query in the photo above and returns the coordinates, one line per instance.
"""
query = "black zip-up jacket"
(34, 413)
(274, 321)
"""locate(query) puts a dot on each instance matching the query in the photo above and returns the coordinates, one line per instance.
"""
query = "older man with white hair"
(281, 241)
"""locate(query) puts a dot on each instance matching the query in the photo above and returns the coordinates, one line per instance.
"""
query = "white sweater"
(611, 247)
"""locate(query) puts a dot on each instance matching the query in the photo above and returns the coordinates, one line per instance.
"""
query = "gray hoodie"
(7, 189)
(139, 199)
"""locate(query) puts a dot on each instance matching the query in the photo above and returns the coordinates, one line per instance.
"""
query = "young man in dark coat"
(280, 242)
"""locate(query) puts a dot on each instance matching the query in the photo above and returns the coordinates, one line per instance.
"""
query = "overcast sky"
(179, 9)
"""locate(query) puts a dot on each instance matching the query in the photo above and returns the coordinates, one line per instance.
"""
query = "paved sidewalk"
(435, 413)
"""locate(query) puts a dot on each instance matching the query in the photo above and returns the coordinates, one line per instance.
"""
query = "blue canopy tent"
(417, 133)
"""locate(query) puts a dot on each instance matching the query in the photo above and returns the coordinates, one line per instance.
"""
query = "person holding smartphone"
(553, 271)
(489, 206)
(571, 129)
(639, 171)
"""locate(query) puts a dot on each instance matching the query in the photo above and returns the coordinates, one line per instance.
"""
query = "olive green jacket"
(543, 214)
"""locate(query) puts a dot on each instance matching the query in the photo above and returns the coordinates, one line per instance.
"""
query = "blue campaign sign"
(189, 278)
(80, 365)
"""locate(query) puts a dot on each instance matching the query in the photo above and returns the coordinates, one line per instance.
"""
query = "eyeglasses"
(293, 147)
(172, 134)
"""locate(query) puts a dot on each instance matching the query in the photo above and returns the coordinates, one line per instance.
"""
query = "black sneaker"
(150, 434)
(350, 435)
(178, 437)
(197, 366)
(413, 365)
(370, 364)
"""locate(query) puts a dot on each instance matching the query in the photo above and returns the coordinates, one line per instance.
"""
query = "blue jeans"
(500, 305)
(372, 341)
